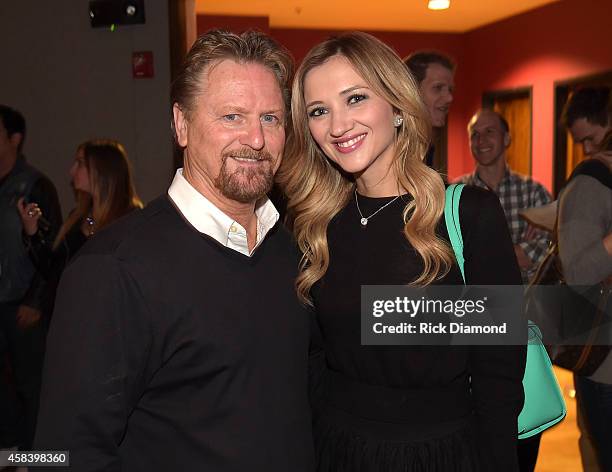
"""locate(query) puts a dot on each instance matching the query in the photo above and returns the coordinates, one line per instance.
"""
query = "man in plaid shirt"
(489, 138)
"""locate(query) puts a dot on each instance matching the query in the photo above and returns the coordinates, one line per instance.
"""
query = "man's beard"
(249, 183)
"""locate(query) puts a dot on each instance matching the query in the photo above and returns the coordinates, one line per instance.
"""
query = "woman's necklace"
(364, 219)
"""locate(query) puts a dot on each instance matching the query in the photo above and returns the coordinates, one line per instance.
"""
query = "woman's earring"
(397, 122)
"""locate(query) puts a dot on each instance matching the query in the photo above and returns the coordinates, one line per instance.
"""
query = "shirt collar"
(478, 181)
(210, 220)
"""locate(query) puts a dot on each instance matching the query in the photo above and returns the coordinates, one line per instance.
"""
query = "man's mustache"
(262, 155)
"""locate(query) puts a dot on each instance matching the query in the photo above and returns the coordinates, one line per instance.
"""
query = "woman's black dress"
(413, 408)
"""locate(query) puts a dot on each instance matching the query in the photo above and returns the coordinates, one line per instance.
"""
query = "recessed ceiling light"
(438, 4)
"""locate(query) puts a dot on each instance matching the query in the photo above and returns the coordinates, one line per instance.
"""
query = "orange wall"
(563, 40)
(237, 24)
(300, 41)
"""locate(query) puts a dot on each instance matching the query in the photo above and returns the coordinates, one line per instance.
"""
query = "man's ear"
(180, 125)
(15, 140)
(507, 139)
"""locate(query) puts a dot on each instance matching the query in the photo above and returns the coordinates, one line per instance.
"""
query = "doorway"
(515, 106)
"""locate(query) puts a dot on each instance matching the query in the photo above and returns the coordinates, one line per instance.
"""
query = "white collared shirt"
(208, 219)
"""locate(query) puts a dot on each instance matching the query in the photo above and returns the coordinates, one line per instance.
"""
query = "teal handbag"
(544, 405)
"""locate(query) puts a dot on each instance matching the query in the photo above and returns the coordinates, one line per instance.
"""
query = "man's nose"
(254, 136)
(588, 148)
(449, 97)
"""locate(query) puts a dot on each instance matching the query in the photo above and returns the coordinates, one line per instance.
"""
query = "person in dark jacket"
(435, 76)
(21, 329)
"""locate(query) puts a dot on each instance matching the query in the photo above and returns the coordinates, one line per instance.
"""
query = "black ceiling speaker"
(103, 13)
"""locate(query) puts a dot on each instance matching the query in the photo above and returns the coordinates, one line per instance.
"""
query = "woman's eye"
(315, 112)
(356, 98)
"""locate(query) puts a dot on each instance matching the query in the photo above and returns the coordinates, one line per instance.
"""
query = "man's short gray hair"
(217, 45)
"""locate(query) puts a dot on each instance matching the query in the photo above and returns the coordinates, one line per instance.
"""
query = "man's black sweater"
(168, 351)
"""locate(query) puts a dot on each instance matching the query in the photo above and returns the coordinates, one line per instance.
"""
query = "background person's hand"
(523, 259)
(30, 214)
(27, 316)
(530, 233)
(605, 157)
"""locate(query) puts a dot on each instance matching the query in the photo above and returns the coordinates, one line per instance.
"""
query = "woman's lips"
(349, 144)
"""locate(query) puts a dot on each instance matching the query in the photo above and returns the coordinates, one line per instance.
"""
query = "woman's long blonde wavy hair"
(113, 193)
(317, 190)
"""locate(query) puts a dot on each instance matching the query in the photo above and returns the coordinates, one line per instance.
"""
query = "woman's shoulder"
(471, 195)
(480, 213)
(477, 202)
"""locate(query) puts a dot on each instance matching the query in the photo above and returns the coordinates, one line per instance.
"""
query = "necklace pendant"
(364, 221)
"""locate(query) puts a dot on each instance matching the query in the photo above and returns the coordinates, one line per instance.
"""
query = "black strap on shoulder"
(596, 169)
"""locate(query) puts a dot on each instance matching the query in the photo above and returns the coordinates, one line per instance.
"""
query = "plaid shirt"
(517, 192)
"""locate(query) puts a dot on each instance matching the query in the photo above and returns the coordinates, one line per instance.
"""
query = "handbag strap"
(453, 225)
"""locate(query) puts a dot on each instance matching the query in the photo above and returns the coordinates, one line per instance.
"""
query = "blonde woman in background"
(365, 209)
(101, 176)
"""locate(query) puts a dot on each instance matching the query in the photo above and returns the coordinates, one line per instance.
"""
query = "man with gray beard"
(178, 342)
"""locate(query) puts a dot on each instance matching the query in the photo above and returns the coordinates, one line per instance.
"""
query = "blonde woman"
(365, 209)
(101, 176)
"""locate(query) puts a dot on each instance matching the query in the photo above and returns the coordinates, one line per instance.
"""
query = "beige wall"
(73, 82)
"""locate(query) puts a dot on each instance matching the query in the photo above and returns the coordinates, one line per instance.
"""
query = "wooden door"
(515, 107)
(574, 155)
(517, 112)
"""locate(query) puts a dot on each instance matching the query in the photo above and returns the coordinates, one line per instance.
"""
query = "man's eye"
(356, 98)
(230, 117)
(272, 119)
(315, 112)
